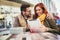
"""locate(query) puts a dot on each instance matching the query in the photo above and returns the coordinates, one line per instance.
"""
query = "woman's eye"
(39, 9)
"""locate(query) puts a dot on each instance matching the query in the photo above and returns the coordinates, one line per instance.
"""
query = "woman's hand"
(43, 28)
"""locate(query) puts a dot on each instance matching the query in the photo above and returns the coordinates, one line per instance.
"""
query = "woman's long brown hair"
(41, 5)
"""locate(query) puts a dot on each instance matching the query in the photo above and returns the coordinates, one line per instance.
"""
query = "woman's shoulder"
(49, 16)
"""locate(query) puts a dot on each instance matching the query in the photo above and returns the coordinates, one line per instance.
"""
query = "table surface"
(20, 36)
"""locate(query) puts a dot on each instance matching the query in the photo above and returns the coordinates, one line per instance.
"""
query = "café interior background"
(9, 9)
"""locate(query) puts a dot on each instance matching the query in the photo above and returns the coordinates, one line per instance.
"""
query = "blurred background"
(9, 9)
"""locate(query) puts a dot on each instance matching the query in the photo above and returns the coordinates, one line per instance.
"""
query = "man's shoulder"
(18, 16)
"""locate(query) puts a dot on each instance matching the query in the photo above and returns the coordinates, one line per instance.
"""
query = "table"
(22, 36)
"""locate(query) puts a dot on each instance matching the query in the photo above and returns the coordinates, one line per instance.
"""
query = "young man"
(21, 20)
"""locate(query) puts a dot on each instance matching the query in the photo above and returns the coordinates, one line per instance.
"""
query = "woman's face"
(39, 10)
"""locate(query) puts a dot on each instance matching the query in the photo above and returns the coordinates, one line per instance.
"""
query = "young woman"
(45, 18)
(48, 29)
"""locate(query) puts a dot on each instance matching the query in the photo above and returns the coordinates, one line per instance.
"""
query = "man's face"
(28, 11)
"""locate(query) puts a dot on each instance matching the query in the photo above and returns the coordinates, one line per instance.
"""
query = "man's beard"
(28, 16)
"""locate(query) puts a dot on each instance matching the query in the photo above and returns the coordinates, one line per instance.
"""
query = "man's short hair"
(24, 6)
